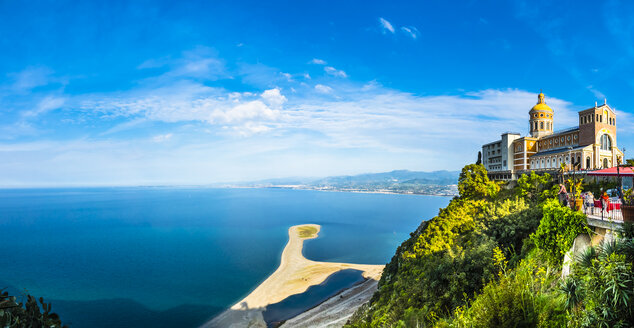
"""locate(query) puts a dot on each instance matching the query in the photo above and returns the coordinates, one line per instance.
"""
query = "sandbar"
(294, 275)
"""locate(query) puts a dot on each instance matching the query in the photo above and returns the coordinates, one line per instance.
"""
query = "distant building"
(589, 146)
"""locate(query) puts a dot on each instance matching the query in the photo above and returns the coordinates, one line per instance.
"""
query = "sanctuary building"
(589, 146)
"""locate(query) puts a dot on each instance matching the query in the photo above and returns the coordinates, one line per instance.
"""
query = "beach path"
(294, 275)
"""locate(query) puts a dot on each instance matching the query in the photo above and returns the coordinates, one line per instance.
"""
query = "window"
(588, 162)
(547, 125)
(605, 163)
(606, 142)
(541, 125)
(541, 115)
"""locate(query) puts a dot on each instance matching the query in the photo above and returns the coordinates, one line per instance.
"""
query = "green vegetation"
(307, 231)
(492, 258)
(29, 314)
(600, 291)
(558, 229)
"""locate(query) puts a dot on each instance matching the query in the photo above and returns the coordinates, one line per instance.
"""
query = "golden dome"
(541, 103)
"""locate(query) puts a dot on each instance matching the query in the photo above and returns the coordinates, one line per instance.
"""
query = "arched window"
(605, 163)
(542, 165)
(588, 163)
(606, 142)
(541, 125)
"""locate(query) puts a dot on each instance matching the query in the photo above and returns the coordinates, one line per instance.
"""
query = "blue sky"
(157, 92)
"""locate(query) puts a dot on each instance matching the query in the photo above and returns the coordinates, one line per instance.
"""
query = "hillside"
(492, 258)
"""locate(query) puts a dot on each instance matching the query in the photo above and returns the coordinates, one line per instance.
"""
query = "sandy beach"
(294, 275)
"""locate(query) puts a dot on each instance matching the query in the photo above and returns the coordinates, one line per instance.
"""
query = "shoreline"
(383, 192)
(293, 276)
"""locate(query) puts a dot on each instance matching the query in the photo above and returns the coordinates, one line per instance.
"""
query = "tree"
(532, 186)
(475, 184)
(14, 314)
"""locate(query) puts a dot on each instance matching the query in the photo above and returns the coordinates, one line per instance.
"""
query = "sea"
(177, 256)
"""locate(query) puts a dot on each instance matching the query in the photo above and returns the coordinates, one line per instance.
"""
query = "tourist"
(589, 201)
(605, 201)
(563, 195)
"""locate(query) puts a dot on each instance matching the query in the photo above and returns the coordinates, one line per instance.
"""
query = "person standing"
(605, 201)
(563, 195)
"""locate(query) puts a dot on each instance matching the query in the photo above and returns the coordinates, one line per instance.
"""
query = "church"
(589, 146)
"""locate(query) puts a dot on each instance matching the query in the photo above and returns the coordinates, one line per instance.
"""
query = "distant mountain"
(398, 181)
(394, 177)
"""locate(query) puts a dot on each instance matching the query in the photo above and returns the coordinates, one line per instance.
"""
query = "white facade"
(497, 156)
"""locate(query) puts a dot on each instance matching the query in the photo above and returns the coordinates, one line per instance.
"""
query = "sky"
(201, 92)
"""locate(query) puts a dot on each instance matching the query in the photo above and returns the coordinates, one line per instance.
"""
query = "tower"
(540, 118)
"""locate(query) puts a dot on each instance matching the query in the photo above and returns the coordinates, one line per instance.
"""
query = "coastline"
(294, 275)
(354, 191)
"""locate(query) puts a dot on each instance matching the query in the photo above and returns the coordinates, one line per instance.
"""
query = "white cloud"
(335, 72)
(31, 77)
(386, 26)
(162, 137)
(323, 88)
(274, 97)
(288, 76)
(201, 62)
(410, 31)
(187, 102)
(598, 94)
(318, 61)
(45, 105)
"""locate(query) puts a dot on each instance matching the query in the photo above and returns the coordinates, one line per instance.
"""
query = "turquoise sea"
(165, 257)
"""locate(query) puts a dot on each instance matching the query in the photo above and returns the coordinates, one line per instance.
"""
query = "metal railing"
(601, 213)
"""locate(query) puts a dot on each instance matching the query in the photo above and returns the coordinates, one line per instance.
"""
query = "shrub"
(603, 280)
(524, 297)
(557, 230)
(14, 314)
(475, 184)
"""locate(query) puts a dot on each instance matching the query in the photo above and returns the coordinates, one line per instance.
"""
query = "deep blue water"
(313, 296)
(186, 252)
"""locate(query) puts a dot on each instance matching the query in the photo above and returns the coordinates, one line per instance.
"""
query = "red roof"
(627, 171)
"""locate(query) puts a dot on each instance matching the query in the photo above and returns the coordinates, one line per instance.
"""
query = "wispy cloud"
(187, 102)
(201, 63)
(47, 104)
(30, 78)
(317, 61)
(323, 88)
(598, 94)
(386, 26)
(162, 137)
(335, 72)
(410, 31)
